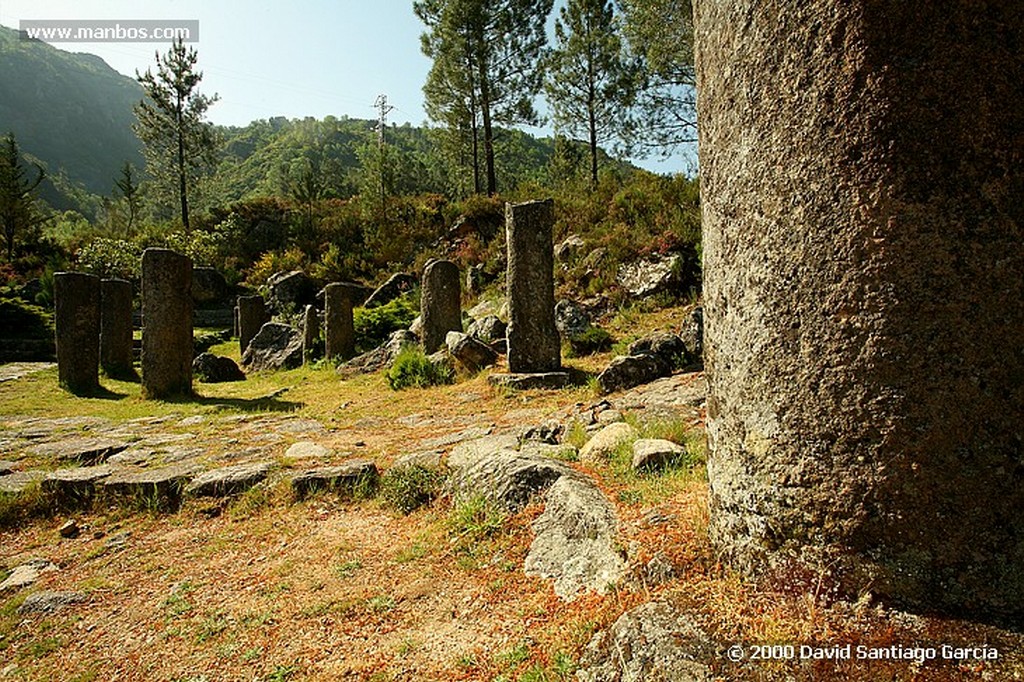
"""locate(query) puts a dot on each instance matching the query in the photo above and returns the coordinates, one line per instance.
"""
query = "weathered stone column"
(252, 315)
(116, 328)
(440, 303)
(862, 174)
(166, 324)
(339, 328)
(77, 325)
(533, 341)
(310, 331)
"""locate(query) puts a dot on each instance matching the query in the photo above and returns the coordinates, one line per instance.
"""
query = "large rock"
(291, 290)
(653, 454)
(339, 323)
(508, 478)
(571, 319)
(667, 349)
(575, 543)
(380, 357)
(627, 371)
(533, 342)
(79, 449)
(209, 287)
(488, 329)
(166, 324)
(691, 332)
(26, 574)
(653, 275)
(350, 478)
(216, 369)
(396, 285)
(469, 452)
(71, 488)
(276, 346)
(472, 354)
(153, 488)
(229, 480)
(48, 601)
(653, 643)
(77, 323)
(864, 272)
(605, 442)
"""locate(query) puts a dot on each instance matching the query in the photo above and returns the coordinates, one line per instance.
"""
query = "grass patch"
(406, 489)
(413, 369)
(348, 568)
(17, 509)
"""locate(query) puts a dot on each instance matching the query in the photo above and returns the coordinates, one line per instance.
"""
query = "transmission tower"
(383, 108)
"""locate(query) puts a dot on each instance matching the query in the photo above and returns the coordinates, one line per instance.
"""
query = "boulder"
(347, 479)
(51, 602)
(570, 318)
(26, 574)
(214, 369)
(307, 450)
(488, 329)
(627, 371)
(569, 249)
(74, 487)
(228, 480)
(209, 287)
(380, 357)
(507, 478)
(575, 542)
(653, 454)
(82, 449)
(667, 348)
(396, 285)
(159, 488)
(291, 290)
(276, 346)
(653, 275)
(468, 453)
(471, 353)
(603, 444)
(524, 381)
(653, 642)
(691, 331)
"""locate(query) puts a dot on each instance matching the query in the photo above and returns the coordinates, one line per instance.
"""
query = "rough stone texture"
(653, 643)
(81, 450)
(252, 315)
(380, 357)
(116, 328)
(507, 478)
(691, 331)
(627, 371)
(19, 481)
(603, 443)
(209, 286)
(570, 318)
(339, 327)
(440, 304)
(310, 332)
(398, 284)
(307, 450)
(290, 290)
(276, 346)
(74, 487)
(533, 342)
(488, 329)
(345, 479)
(167, 324)
(652, 454)
(575, 539)
(472, 354)
(469, 452)
(855, 214)
(215, 369)
(527, 381)
(228, 480)
(51, 602)
(163, 486)
(6, 467)
(26, 574)
(668, 350)
(77, 323)
(651, 276)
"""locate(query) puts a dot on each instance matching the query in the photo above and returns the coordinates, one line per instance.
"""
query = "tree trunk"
(182, 179)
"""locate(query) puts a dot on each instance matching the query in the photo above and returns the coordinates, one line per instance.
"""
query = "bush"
(374, 325)
(413, 368)
(409, 488)
(24, 320)
(593, 340)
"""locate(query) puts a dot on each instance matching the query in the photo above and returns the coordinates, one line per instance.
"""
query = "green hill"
(71, 111)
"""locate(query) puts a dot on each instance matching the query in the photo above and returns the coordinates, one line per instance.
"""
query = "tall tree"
(178, 142)
(487, 67)
(128, 185)
(660, 32)
(591, 81)
(17, 193)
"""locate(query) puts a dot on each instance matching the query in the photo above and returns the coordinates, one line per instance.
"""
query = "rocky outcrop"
(213, 369)
(276, 346)
(471, 354)
(291, 290)
(396, 285)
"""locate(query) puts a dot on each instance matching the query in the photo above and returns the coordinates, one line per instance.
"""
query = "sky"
(269, 58)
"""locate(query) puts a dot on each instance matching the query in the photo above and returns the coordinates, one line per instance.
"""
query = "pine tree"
(178, 143)
(591, 82)
(17, 193)
(486, 71)
(128, 185)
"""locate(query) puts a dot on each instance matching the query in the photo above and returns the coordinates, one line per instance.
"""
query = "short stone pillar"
(77, 325)
(252, 315)
(339, 327)
(533, 341)
(440, 303)
(310, 331)
(116, 328)
(166, 324)
(861, 183)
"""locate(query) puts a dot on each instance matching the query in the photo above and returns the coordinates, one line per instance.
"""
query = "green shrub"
(413, 368)
(374, 325)
(406, 489)
(593, 340)
(24, 320)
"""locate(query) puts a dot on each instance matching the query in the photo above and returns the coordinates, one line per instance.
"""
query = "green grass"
(406, 489)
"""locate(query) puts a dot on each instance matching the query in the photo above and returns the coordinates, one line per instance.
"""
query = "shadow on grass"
(266, 403)
(99, 393)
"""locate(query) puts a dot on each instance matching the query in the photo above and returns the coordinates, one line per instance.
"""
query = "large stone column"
(310, 332)
(339, 326)
(252, 315)
(533, 341)
(116, 328)
(862, 179)
(77, 324)
(440, 303)
(166, 324)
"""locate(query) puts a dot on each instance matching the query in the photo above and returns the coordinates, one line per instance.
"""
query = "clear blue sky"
(271, 58)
